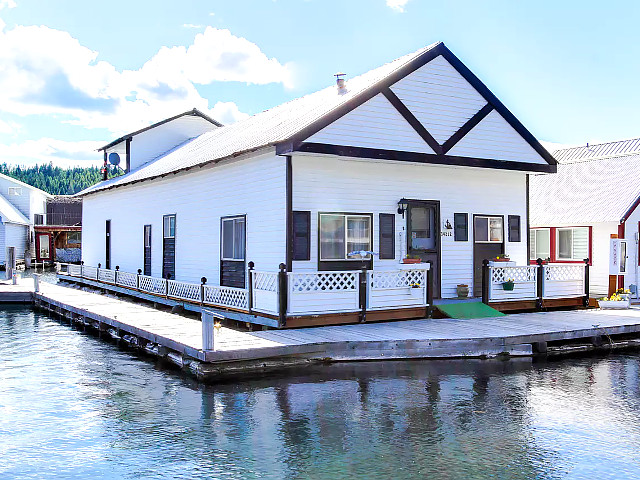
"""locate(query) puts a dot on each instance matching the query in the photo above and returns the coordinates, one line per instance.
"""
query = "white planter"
(613, 305)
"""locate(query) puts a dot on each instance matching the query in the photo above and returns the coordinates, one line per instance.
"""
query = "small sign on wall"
(618, 257)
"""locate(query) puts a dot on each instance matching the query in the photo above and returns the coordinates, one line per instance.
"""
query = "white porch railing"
(525, 281)
(322, 292)
(230, 297)
(126, 279)
(152, 285)
(265, 292)
(563, 281)
(396, 288)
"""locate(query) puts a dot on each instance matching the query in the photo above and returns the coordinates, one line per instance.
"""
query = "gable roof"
(286, 126)
(25, 185)
(194, 113)
(11, 214)
(598, 183)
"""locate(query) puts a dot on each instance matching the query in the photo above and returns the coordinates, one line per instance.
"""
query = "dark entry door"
(147, 250)
(423, 235)
(107, 249)
(488, 242)
(169, 246)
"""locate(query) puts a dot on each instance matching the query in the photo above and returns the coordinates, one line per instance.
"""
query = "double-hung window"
(572, 243)
(345, 236)
(233, 238)
(540, 243)
(488, 229)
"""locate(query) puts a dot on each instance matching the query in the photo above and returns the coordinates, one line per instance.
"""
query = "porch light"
(402, 206)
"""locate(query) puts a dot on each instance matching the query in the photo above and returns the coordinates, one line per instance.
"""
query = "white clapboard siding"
(493, 138)
(439, 97)
(254, 187)
(3, 234)
(17, 236)
(374, 124)
(330, 184)
(402, 297)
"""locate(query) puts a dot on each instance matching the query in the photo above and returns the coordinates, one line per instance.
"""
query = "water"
(73, 406)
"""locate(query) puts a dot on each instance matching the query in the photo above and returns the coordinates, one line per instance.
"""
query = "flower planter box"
(415, 292)
(613, 305)
(411, 261)
(508, 286)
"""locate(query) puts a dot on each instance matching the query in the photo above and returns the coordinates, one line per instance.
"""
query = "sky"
(75, 75)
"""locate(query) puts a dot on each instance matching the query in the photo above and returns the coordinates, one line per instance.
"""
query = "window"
(488, 229)
(514, 228)
(540, 243)
(169, 226)
(43, 246)
(15, 191)
(572, 243)
(301, 235)
(342, 236)
(387, 238)
(233, 238)
(460, 227)
(422, 225)
(74, 237)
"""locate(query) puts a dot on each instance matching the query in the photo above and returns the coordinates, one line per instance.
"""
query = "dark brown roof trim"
(195, 112)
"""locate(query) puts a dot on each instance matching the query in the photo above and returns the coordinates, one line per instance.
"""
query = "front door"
(488, 242)
(107, 246)
(423, 235)
(147, 250)
(43, 247)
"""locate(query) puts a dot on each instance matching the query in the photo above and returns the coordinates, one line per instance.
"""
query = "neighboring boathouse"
(415, 158)
(589, 209)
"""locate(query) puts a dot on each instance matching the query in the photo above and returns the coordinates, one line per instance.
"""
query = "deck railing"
(538, 282)
(281, 294)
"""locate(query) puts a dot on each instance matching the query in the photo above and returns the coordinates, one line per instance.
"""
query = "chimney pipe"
(340, 82)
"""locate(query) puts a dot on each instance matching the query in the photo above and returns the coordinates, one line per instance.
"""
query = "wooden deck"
(234, 350)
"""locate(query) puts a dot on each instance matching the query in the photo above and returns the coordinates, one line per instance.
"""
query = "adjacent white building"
(415, 158)
(577, 212)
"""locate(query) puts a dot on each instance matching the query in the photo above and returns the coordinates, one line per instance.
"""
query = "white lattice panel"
(127, 279)
(323, 282)
(517, 274)
(153, 285)
(183, 290)
(108, 276)
(74, 270)
(226, 296)
(267, 281)
(90, 272)
(397, 279)
(564, 272)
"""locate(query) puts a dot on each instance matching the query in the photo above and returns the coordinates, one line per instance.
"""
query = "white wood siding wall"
(631, 234)
(330, 184)
(254, 187)
(15, 236)
(374, 124)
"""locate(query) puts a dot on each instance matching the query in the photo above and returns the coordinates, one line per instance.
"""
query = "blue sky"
(77, 74)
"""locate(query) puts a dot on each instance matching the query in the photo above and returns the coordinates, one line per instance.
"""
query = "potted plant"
(503, 257)
(624, 293)
(615, 301)
(463, 290)
(412, 259)
(508, 285)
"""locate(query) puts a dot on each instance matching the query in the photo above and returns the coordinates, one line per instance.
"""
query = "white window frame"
(169, 217)
(346, 216)
(488, 217)
(534, 243)
(233, 237)
(573, 255)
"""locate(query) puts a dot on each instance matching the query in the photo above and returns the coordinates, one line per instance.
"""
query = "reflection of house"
(593, 197)
(59, 230)
(19, 205)
(416, 157)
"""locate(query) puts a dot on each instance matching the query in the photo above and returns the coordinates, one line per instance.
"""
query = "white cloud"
(397, 5)
(7, 4)
(191, 25)
(47, 71)
(9, 128)
(226, 113)
(44, 150)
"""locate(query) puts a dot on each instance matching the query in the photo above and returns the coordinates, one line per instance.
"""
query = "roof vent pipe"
(340, 81)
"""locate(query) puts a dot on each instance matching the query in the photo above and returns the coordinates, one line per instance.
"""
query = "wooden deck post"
(138, 279)
(540, 285)
(362, 294)
(282, 295)
(486, 280)
(203, 282)
(250, 292)
(430, 290)
(81, 268)
(586, 283)
(115, 278)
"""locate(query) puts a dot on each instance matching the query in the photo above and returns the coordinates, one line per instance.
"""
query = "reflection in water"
(72, 406)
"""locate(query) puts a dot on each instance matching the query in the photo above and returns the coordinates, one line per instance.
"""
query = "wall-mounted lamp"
(402, 206)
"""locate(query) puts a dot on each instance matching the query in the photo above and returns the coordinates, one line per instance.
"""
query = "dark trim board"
(466, 128)
(289, 219)
(400, 156)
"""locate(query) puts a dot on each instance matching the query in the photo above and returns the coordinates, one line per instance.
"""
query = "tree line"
(56, 180)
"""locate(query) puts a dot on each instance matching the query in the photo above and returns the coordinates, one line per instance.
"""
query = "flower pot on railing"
(411, 261)
(508, 285)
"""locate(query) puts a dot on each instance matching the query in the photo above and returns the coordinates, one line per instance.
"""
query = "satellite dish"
(114, 158)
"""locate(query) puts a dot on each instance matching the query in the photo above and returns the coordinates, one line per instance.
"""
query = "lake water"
(73, 406)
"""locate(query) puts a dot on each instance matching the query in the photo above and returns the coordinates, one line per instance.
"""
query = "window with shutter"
(302, 235)
(514, 228)
(460, 227)
(387, 236)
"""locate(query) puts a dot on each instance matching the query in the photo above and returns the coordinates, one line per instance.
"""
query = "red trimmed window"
(560, 244)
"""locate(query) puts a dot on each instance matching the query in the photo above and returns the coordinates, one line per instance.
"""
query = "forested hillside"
(55, 180)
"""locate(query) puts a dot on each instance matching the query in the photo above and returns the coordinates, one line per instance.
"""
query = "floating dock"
(178, 338)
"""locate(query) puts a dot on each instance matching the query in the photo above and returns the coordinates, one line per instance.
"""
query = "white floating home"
(415, 158)
(589, 209)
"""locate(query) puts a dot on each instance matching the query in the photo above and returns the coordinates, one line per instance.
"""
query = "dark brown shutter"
(460, 227)
(387, 236)
(301, 235)
(514, 228)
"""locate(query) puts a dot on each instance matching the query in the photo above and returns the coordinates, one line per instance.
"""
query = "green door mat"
(468, 310)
